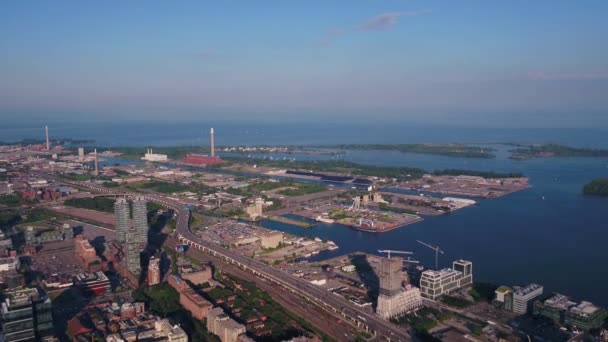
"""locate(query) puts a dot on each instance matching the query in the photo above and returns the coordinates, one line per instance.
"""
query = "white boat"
(332, 247)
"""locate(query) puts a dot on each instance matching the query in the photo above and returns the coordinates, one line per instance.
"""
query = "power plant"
(201, 159)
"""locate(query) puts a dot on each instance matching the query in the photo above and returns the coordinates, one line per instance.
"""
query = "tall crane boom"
(389, 251)
(436, 249)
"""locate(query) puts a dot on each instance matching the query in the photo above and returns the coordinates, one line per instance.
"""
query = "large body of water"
(557, 241)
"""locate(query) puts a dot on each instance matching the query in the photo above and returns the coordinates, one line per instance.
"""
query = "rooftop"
(585, 309)
(504, 289)
(559, 301)
(522, 291)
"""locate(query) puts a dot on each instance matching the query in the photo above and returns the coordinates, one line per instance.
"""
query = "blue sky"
(435, 60)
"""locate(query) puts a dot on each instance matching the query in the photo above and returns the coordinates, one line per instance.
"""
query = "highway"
(358, 316)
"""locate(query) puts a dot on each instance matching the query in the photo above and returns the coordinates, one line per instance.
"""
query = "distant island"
(525, 152)
(449, 150)
(597, 187)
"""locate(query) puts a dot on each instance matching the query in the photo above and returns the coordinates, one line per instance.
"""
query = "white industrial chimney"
(48, 145)
(212, 143)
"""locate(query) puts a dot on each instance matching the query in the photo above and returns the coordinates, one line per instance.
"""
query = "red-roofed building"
(200, 159)
(76, 328)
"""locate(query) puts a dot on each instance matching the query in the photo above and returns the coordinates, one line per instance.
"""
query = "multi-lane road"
(339, 305)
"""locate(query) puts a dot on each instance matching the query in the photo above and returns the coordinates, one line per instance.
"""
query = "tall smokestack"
(96, 172)
(48, 145)
(212, 144)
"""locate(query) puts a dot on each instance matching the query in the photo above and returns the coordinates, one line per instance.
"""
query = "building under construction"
(395, 299)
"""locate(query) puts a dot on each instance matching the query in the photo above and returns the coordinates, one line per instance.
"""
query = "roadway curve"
(320, 296)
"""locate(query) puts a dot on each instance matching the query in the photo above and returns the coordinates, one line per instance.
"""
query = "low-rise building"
(92, 283)
(198, 277)
(272, 239)
(173, 333)
(197, 305)
(434, 284)
(227, 329)
(523, 297)
(504, 298)
(10, 263)
(177, 283)
(562, 310)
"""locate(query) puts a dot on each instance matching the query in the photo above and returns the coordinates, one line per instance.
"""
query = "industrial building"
(121, 215)
(523, 297)
(26, 315)
(395, 300)
(256, 210)
(562, 310)
(434, 284)
(272, 239)
(200, 159)
(227, 329)
(154, 157)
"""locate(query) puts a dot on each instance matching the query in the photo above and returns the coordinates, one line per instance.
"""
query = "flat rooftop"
(522, 291)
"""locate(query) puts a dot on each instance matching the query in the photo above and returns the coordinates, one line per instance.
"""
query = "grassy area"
(15, 200)
(450, 150)
(163, 300)
(456, 302)
(483, 292)
(340, 166)
(354, 169)
(270, 250)
(104, 204)
(482, 174)
(303, 189)
(169, 188)
(158, 186)
(424, 320)
(10, 200)
(558, 151)
(256, 189)
(254, 302)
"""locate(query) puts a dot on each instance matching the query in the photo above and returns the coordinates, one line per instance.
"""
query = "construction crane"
(389, 251)
(437, 251)
(410, 261)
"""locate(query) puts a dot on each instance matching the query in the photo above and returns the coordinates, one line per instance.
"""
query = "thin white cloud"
(385, 21)
(380, 22)
(573, 76)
